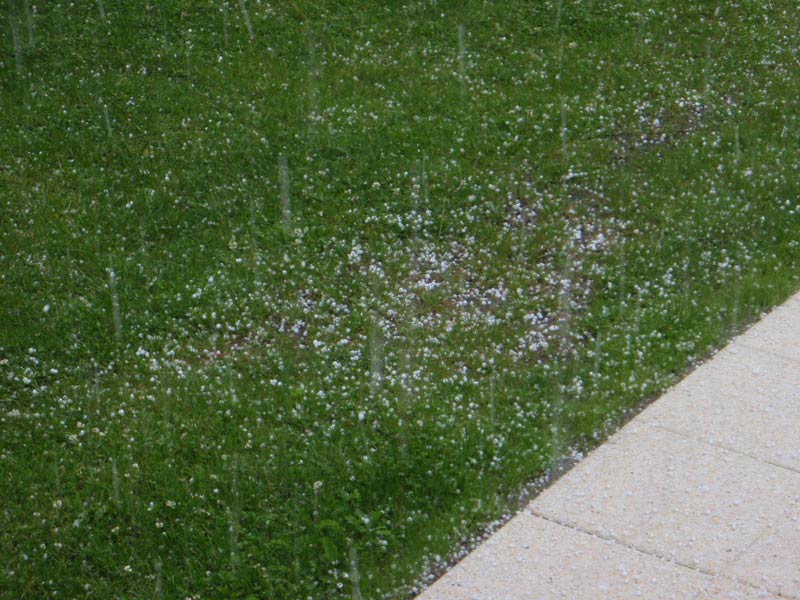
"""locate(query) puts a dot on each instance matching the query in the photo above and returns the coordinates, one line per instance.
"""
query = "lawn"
(298, 298)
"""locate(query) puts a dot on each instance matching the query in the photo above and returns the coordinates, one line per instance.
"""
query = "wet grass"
(298, 297)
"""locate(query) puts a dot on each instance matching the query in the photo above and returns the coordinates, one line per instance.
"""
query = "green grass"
(297, 313)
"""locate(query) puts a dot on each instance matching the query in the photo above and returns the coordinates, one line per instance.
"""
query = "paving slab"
(773, 561)
(722, 588)
(532, 558)
(744, 400)
(698, 498)
(778, 332)
(672, 496)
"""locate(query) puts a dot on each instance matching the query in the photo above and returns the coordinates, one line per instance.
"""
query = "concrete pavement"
(698, 497)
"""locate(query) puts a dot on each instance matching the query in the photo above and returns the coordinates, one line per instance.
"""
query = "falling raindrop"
(462, 63)
(164, 41)
(491, 405)
(623, 267)
(737, 291)
(17, 46)
(405, 408)
(142, 238)
(355, 577)
(424, 180)
(159, 593)
(405, 369)
(247, 22)
(636, 328)
(317, 486)
(112, 285)
(564, 323)
(115, 484)
(233, 519)
(375, 355)
(416, 187)
(226, 24)
(737, 148)
(557, 445)
(107, 119)
(560, 63)
(565, 277)
(707, 69)
(56, 475)
(598, 345)
(233, 536)
(313, 83)
(254, 246)
(96, 391)
(102, 10)
(286, 207)
(29, 24)
(564, 150)
(559, 7)
(189, 46)
(234, 401)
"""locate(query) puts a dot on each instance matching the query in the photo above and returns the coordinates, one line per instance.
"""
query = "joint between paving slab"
(744, 344)
(720, 446)
(754, 544)
(651, 554)
(614, 540)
